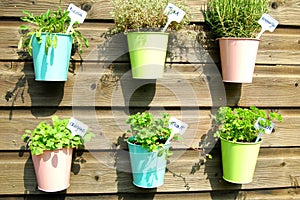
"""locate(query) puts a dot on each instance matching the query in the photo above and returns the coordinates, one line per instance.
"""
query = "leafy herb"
(51, 137)
(50, 22)
(145, 14)
(149, 132)
(237, 124)
(238, 18)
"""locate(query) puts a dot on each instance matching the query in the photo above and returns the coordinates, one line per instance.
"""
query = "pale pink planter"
(52, 169)
(238, 56)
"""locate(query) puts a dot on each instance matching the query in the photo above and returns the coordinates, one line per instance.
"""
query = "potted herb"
(49, 45)
(143, 22)
(51, 147)
(235, 24)
(240, 140)
(149, 148)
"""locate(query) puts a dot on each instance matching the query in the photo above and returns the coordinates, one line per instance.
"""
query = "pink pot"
(238, 57)
(52, 169)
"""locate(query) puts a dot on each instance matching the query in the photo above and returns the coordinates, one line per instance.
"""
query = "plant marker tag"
(174, 14)
(267, 129)
(177, 126)
(267, 23)
(76, 14)
(77, 127)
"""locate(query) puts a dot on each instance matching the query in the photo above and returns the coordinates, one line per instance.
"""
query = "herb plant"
(51, 137)
(50, 22)
(237, 124)
(145, 14)
(238, 18)
(149, 132)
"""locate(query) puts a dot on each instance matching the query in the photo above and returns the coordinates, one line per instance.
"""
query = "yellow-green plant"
(146, 14)
(53, 136)
(237, 124)
(235, 18)
(149, 132)
(49, 22)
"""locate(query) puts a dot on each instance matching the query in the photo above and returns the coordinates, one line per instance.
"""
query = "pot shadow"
(137, 95)
(31, 191)
(220, 189)
(45, 95)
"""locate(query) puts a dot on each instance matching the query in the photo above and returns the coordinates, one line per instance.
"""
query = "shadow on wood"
(47, 95)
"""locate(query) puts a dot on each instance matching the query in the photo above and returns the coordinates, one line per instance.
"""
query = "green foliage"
(237, 124)
(149, 132)
(51, 137)
(238, 18)
(50, 22)
(146, 14)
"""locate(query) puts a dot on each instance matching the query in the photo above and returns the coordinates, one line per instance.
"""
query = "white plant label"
(76, 15)
(267, 129)
(177, 126)
(174, 14)
(267, 23)
(77, 127)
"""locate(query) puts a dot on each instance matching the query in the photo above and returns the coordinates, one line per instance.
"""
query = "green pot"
(147, 51)
(239, 160)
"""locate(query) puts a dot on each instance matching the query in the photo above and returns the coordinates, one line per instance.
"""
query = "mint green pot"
(54, 64)
(239, 160)
(147, 51)
(148, 169)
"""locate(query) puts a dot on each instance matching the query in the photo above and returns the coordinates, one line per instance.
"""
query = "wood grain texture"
(101, 93)
(280, 47)
(109, 127)
(184, 85)
(94, 173)
(286, 12)
(272, 194)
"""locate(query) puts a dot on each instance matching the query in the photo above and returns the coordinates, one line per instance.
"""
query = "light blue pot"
(54, 65)
(148, 169)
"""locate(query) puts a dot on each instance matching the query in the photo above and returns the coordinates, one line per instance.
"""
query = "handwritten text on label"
(77, 127)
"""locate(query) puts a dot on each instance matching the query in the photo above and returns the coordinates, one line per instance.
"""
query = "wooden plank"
(190, 85)
(284, 11)
(109, 127)
(92, 174)
(272, 194)
(287, 51)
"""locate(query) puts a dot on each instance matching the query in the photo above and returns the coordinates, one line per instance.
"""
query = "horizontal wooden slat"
(272, 194)
(92, 173)
(186, 49)
(286, 12)
(109, 127)
(183, 85)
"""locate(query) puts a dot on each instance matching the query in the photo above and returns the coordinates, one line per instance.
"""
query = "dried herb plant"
(146, 14)
(238, 18)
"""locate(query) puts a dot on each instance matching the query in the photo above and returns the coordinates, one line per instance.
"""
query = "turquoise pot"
(148, 169)
(54, 64)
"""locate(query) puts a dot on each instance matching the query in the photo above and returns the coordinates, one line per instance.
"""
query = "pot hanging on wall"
(148, 169)
(52, 169)
(239, 160)
(147, 51)
(52, 64)
(238, 56)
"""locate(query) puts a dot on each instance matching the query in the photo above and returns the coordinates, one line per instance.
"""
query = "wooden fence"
(101, 93)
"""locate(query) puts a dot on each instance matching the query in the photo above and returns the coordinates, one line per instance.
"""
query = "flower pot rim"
(58, 34)
(148, 32)
(242, 143)
(238, 38)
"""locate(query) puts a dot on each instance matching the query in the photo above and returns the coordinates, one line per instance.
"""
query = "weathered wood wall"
(100, 92)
